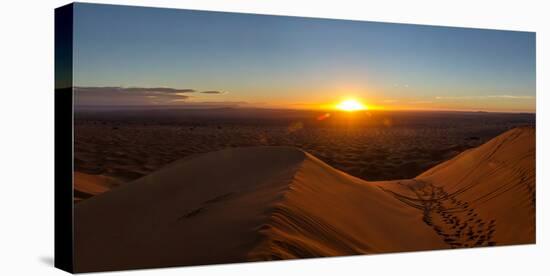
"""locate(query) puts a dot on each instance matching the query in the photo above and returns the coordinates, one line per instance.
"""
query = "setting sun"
(351, 105)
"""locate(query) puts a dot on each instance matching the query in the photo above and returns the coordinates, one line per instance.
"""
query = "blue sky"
(303, 62)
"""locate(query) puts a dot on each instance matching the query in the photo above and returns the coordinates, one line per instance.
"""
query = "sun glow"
(351, 105)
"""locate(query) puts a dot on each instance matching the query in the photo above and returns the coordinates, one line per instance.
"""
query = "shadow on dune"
(266, 203)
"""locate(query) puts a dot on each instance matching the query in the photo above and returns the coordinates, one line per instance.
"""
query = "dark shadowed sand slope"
(263, 203)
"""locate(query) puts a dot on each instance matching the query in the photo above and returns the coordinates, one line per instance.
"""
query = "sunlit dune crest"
(351, 105)
(264, 203)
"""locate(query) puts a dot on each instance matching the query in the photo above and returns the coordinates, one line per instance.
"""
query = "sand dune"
(262, 203)
(489, 191)
(377, 145)
(88, 185)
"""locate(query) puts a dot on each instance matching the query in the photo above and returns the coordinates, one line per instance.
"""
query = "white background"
(27, 141)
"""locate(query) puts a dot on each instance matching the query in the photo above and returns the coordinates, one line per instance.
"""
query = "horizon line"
(202, 106)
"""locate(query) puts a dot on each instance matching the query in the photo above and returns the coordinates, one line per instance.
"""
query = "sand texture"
(373, 146)
(265, 203)
(88, 185)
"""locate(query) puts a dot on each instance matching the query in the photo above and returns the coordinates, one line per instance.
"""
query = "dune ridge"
(496, 181)
(88, 185)
(317, 218)
(266, 203)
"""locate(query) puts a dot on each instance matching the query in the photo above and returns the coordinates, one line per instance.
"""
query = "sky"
(134, 55)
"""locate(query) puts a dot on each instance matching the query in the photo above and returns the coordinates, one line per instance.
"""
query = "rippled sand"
(269, 203)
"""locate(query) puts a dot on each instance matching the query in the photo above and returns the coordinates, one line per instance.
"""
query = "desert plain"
(189, 187)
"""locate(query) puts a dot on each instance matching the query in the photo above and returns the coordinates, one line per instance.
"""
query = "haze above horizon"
(150, 56)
